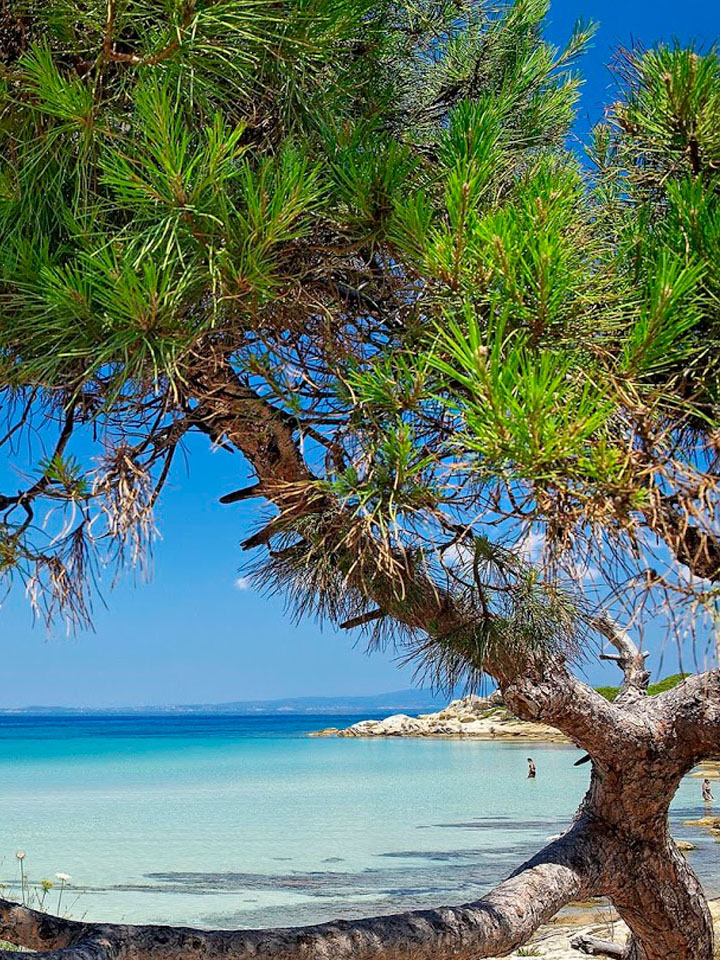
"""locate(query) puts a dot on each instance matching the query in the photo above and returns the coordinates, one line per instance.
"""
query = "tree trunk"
(659, 897)
(641, 749)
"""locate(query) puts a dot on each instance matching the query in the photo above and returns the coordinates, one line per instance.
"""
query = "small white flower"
(63, 877)
(20, 854)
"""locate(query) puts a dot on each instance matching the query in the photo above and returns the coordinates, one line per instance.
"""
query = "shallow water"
(237, 821)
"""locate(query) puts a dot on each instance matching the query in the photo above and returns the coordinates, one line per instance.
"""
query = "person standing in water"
(707, 791)
(532, 771)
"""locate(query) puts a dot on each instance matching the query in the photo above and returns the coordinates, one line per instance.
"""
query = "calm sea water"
(245, 821)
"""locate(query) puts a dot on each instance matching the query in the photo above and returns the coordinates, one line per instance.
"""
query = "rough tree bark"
(635, 774)
(618, 845)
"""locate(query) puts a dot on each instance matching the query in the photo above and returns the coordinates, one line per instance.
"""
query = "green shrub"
(660, 687)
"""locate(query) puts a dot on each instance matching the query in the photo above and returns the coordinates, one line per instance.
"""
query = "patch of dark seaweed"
(312, 884)
(258, 881)
(349, 908)
(434, 855)
(499, 823)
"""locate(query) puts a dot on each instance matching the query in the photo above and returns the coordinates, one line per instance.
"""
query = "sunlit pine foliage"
(498, 356)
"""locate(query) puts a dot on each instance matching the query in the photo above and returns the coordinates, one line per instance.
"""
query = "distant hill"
(398, 701)
(405, 701)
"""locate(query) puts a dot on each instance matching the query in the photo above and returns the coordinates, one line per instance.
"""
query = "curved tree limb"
(495, 925)
(551, 694)
(690, 718)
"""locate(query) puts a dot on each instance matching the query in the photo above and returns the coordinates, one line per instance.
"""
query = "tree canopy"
(496, 356)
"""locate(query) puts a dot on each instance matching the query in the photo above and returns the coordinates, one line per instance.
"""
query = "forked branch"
(629, 658)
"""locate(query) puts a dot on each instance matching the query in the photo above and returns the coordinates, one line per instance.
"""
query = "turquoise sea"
(246, 821)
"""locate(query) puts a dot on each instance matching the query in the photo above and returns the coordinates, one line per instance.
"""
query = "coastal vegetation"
(475, 376)
(668, 683)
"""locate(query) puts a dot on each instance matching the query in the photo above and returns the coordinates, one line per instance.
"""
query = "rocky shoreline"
(708, 768)
(600, 921)
(478, 718)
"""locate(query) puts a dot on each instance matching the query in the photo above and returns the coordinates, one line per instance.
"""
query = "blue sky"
(621, 24)
(194, 633)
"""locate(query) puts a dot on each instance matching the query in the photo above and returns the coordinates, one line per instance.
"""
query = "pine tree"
(474, 372)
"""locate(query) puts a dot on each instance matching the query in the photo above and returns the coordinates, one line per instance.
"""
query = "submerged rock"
(708, 823)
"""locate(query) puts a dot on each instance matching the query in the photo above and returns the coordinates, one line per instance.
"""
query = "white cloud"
(532, 549)
(243, 583)
(458, 554)
(532, 546)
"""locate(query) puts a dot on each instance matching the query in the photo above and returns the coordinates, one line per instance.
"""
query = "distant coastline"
(398, 700)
